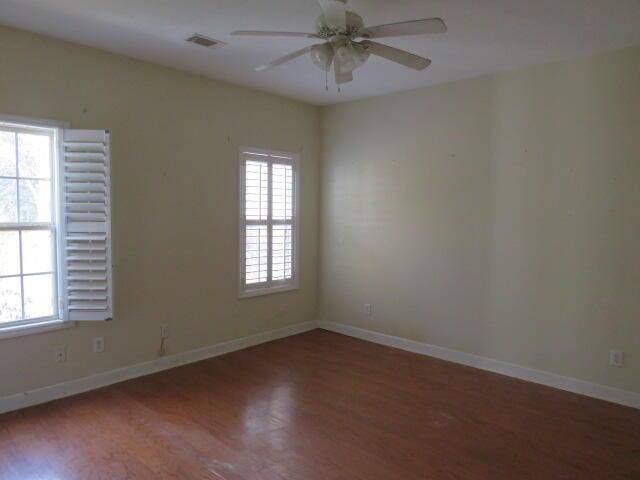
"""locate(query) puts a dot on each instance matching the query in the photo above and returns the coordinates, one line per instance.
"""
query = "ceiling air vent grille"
(205, 41)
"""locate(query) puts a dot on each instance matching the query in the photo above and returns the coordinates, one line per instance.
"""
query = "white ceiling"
(485, 36)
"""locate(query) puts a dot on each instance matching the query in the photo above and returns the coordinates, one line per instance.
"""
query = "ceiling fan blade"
(255, 33)
(341, 77)
(395, 55)
(285, 59)
(402, 29)
(335, 13)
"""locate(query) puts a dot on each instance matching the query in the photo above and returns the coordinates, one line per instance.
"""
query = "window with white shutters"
(268, 221)
(55, 235)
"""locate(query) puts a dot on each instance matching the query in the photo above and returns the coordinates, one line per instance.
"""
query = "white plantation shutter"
(85, 201)
(282, 215)
(256, 201)
(268, 221)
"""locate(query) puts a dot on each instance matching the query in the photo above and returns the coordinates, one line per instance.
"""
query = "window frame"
(57, 321)
(271, 286)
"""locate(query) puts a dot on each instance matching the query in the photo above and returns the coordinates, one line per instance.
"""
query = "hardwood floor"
(322, 406)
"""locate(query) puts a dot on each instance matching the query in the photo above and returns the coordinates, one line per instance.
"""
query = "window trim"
(34, 328)
(41, 325)
(280, 286)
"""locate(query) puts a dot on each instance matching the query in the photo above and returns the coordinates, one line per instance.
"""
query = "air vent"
(205, 41)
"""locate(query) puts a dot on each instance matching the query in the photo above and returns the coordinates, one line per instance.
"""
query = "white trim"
(34, 328)
(582, 387)
(59, 219)
(32, 122)
(74, 387)
(281, 155)
(259, 292)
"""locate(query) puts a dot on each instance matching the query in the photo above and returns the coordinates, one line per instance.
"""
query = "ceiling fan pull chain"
(326, 80)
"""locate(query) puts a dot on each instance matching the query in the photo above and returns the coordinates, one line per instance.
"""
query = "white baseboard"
(73, 387)
(602, 392)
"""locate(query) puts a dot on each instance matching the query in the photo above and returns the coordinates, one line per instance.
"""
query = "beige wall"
(175, 207)
(498, 216)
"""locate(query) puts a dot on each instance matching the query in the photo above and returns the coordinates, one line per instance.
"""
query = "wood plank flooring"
(322, 406)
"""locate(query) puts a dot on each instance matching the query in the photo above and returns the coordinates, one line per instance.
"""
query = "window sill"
(34, 328)
(266, 291)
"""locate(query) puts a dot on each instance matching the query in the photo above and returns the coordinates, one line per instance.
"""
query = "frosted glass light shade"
(322, 56)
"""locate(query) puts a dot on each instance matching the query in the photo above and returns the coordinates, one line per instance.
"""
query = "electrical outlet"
(616, 358)
(367, 309)
(60, 354)
(164, 331)
(98, 345)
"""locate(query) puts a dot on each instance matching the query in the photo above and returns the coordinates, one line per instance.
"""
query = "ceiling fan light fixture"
(322, 56)
(351, 56)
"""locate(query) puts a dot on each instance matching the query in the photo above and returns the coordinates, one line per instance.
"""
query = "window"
(28, 230)
(55, 258)
(268, 222)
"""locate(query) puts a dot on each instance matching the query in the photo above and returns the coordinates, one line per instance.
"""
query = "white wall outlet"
(164, 331)
(367, 309)
(60, 354)
(98, 345)
(616, 358)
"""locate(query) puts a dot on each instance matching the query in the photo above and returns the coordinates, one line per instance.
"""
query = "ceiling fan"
(341, 29)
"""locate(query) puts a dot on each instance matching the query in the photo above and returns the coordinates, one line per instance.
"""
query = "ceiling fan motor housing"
(354, 26)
